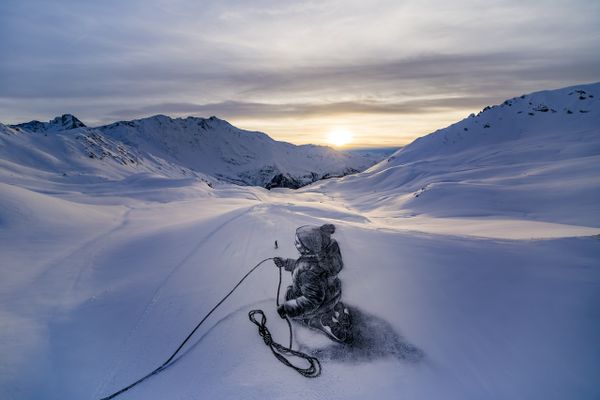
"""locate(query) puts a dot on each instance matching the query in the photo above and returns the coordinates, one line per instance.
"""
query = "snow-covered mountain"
(65, 147)
(61, 123)
(535, 156)
(215, 147)
(65, 150)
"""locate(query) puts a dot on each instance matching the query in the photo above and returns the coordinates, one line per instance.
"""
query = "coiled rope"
(278, 350)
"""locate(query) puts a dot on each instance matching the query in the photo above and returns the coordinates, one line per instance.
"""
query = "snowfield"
(471, 266)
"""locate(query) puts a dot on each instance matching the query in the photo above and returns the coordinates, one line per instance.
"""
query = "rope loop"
(314, 366)
(262, 326)
(279, 351)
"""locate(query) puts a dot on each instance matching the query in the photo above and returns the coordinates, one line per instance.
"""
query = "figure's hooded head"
(311, 239)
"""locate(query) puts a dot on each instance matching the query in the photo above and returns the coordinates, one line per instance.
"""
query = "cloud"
(437, 74)
(265, 110)
(412, 86)
(112, 59)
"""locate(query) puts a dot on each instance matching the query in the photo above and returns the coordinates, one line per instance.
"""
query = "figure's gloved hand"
(278, 262)
(281, 311)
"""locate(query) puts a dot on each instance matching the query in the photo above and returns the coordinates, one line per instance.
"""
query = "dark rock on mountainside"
(62, 123)
(284, 181)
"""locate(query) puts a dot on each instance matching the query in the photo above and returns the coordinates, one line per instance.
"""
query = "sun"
(339, 137)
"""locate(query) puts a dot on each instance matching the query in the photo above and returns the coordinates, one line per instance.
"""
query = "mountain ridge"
(59, 123)
(216, 147)
(183, 147)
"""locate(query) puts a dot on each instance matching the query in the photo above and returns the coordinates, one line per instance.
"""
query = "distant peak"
(158, 116)
(61, 123)
(67, 121)
(209, 119)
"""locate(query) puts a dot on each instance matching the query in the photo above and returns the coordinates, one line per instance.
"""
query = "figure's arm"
(313, 294)
(289, 264)
(286, 263)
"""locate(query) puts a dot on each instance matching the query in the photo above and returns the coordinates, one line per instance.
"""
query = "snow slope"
(100, 280)
(215, 147)
(534, 157)
(109, 294)
(73, 153)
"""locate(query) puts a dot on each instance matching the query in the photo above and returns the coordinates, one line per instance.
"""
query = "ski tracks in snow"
(70, 262)
(124, 222)
(109, 377)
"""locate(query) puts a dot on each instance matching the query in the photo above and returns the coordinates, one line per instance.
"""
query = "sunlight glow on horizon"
(339, 137)
(367, 130)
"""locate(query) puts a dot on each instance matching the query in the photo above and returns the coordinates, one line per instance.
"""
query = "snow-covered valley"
(471, 264)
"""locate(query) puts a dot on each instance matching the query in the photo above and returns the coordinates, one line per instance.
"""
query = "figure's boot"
(337, 325)
(342, 315)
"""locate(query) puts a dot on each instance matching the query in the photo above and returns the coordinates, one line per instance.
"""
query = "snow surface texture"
(102, 276)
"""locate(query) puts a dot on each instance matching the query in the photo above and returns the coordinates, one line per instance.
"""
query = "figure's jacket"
(315, 286)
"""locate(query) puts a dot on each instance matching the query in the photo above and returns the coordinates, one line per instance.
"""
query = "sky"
(384, 72)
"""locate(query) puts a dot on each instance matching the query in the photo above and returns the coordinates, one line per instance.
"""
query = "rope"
(277, 302)
(166, 363)
(279, 351)
(308, 372)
